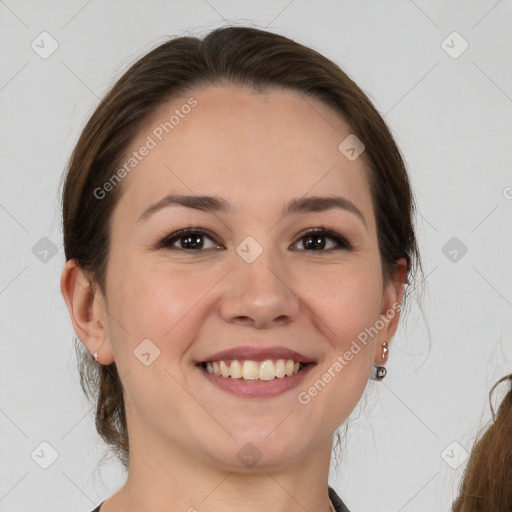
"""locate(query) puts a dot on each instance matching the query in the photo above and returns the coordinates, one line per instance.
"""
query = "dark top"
(336, 501)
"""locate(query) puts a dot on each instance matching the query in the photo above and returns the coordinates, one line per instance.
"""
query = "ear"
(391, 306)
(87, 309)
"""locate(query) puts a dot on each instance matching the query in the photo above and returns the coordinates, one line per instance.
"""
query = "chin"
(255, 450)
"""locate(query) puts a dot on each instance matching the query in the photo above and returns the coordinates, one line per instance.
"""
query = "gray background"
(451, 116)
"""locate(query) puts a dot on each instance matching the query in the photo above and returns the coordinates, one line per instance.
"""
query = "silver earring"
(96, 356)
(379, 372)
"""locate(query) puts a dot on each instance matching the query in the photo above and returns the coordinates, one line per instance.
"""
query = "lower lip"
(257, 388)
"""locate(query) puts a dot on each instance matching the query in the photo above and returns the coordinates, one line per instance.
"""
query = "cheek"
(348, 301)
(159, 305)
(347, 304)
(153, 303)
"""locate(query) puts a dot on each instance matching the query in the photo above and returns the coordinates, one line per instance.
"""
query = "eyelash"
(167, 241)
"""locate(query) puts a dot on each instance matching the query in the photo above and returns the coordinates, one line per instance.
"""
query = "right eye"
(189, 237)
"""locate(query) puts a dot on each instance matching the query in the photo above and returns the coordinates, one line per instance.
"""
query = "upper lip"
(258, 354)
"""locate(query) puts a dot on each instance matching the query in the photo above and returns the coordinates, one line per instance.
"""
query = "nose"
(260, 294)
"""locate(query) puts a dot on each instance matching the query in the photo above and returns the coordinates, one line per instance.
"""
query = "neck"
(168, 479)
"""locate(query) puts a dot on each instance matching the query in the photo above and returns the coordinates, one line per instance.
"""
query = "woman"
(238, 230)
(487, 482)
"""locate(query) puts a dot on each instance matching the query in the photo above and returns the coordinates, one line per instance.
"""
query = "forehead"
(258, 150)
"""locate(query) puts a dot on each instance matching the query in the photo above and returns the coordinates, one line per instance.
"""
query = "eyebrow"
(220, 205)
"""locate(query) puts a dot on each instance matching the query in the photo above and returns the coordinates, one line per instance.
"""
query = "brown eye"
(189, 240)
(314, 240)
(192, 240)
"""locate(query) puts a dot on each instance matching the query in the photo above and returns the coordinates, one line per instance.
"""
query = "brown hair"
(487, 482)
(243, 56)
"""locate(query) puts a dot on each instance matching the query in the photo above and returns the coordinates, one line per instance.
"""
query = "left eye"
(314, 236)
(191, 240)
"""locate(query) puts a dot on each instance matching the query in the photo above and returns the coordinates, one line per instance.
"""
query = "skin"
(258, 151)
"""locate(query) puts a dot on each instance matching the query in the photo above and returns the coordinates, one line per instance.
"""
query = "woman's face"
(256, 280)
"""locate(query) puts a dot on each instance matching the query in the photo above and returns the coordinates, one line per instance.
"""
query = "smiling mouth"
(248, 369)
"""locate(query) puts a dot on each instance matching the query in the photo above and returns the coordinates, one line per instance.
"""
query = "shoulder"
(336, 501)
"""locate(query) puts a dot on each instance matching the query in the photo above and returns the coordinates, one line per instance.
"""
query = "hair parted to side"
(246, 57)
(487, 482)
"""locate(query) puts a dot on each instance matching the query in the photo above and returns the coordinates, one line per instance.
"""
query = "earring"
(379, 372)
(96, 356)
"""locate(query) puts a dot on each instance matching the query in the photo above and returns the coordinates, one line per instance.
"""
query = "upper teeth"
(263, 370)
